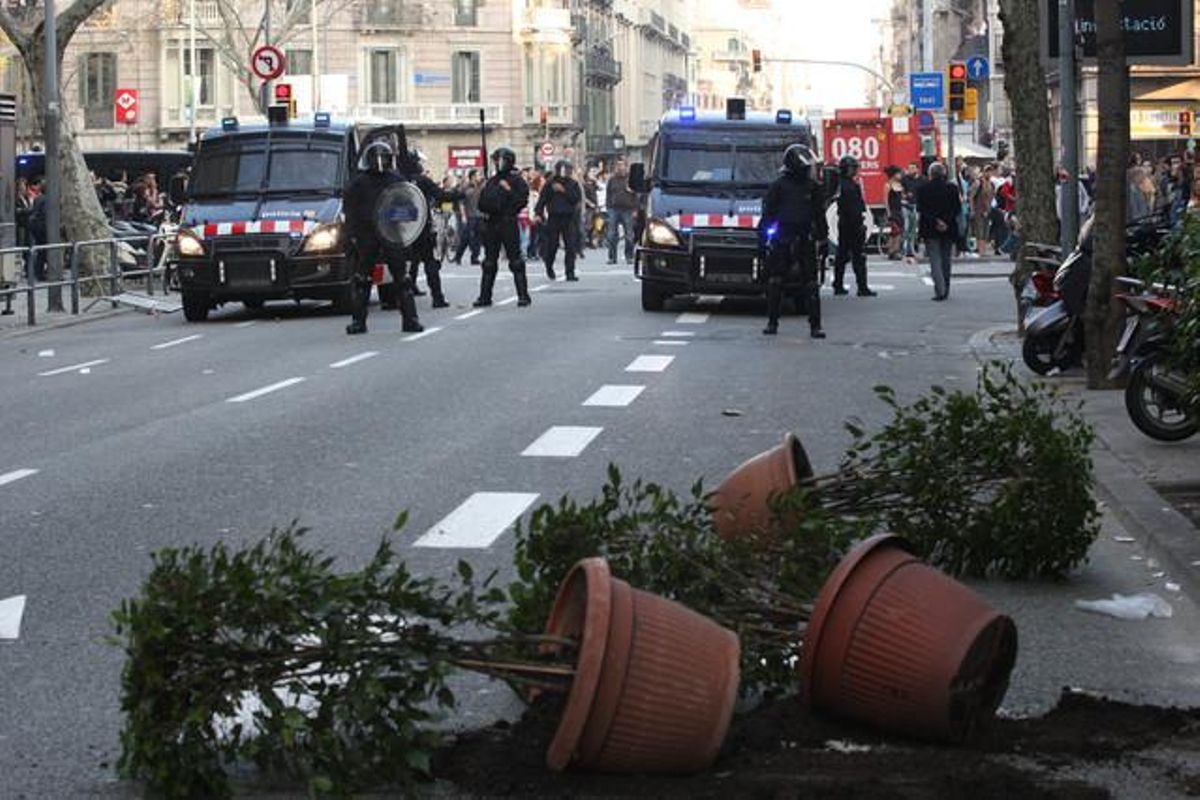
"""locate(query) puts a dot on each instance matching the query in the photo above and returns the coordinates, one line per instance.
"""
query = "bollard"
(75, 279)
(114, 267)
(31, 280)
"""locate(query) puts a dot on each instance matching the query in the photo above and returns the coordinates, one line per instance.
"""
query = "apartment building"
(588, 76)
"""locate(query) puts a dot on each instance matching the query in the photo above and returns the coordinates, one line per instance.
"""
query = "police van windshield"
(239, 169)
(721, 158)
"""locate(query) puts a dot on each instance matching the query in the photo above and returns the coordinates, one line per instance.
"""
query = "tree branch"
(69, 20)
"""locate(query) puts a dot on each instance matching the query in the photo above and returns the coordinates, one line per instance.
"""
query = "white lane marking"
(681, 334)
(417, 336)
(46, 354)
(507, 301)
(614, 396)
(876, 273)
(562, 441)
(16, 475)
(689, 318)
(74, 367)
(650, 363)
(479, 521)
(470, 314)
(967, 280)
(11, 610)
(883, 287)
(257, 393)
(928, 281)
(540, 288)
(247, 324)
(175, 342)
(670, 342)
(345, 362)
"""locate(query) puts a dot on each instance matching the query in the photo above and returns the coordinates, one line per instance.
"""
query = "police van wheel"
(653, 298)
(254, 304)
(195, 307)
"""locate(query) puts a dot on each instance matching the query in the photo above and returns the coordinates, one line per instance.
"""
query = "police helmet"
(798, 159)
(847, 165)
(563, 167)
(377, 157)
(504, 158)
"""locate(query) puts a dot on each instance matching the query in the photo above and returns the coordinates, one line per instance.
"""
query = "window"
(383, 75)
(390, 12)
(464, 72)
(202, 80)
(97, 89)
(465, 12)
(299, 62)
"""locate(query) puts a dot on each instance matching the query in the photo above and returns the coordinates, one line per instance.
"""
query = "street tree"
(1025, 84)
(1108, 232)
(23, 22)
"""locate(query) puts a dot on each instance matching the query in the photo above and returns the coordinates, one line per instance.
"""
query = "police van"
(262, 213)
(703, 191)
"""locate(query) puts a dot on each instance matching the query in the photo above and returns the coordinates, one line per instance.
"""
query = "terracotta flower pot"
(655, 682)
(741, 503)
(897, 644)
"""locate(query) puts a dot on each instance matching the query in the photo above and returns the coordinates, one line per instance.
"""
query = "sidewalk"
(17, 323)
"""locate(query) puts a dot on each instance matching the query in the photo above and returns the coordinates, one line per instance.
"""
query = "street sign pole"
(53, 188)
(266, 87)
(1069, 124)
(950, 148)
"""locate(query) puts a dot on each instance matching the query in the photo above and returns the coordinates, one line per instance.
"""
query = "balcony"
(432, 115)
(557, 115)
(548, 25)
(600, 69)
(207, 13)
(388, 14)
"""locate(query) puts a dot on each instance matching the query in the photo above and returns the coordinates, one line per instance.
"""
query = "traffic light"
(284, 97)
(956, 75)
(756, 60)
(1185, 123)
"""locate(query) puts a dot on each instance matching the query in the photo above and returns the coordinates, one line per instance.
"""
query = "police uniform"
(369, 249)
(793, 223)
(852, 236)
(560, 202)
(501, 200)
(422, 250)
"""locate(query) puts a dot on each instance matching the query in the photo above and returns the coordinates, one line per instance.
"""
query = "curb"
(68, 322)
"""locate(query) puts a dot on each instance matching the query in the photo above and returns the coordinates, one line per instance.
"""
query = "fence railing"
(128, 260)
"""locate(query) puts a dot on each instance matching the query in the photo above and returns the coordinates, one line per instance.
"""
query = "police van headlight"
(189, 244)
(323, 239)
(661, 234)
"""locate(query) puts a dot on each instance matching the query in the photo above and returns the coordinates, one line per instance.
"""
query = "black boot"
(550, 276)
(434, 278)
(485, 289)
(839, 279)
(356, 327)
(860, 280)
(522, 282)
(774, 303)
(409, 321)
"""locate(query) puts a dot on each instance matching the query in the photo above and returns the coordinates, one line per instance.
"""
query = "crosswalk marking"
(678, 334)
(11, 610)
(614, 396)
(478, 522)
(650, 364)
(562, 441)
(691, 318)
(670, 342)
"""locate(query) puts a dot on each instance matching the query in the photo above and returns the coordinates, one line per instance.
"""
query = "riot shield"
(401, 214)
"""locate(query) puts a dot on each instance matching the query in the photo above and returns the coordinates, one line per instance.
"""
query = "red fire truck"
(879, 141)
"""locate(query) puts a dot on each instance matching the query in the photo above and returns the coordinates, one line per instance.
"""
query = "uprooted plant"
(267, 656)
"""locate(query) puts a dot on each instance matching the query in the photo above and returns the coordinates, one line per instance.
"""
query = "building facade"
(541, 71)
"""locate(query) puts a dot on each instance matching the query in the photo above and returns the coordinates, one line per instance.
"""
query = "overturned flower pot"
(655, 682)
(741, 504)
(899, 645)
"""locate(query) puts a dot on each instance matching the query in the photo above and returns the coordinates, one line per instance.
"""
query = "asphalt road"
(136, 432)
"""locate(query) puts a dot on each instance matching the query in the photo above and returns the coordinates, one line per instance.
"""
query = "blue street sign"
(978, 68)
(927, 90)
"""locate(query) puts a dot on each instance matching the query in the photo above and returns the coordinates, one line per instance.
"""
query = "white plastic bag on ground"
(1132, 607)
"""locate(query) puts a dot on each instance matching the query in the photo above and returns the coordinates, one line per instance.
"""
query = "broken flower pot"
(655, 683)
(741, 504)
(901, 646)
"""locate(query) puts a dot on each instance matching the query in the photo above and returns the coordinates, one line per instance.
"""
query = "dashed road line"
(471, 314)
(478, 522)
(177, 342)
(247, 324)
(418, 336)
(680, 334)
(691, 318)
(345, 362)
(670, 342)
(927, 281)
(562, 441)
(650, 364)
(614, 396)
(507, 301)
(543, 287)
(74, 367)
(11, 610)
(257, 393)
(16, 475)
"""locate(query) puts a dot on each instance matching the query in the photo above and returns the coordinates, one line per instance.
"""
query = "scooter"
(1155, 395)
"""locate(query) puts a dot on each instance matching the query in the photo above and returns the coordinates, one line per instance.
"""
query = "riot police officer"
(422, 250)
(558, 205)
(500, 201)
(792, 226)
(852, 236)
(377, 172)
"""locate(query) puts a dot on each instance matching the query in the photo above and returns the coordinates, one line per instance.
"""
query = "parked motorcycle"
(1155, 393)
(1054, 336)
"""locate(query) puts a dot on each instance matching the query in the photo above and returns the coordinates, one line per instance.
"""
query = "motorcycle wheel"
(1153, 411)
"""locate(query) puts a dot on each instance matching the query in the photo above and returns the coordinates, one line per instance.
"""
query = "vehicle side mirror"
(177, 190)
(637, 177)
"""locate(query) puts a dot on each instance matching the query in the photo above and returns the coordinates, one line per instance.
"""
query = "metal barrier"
(113, 277)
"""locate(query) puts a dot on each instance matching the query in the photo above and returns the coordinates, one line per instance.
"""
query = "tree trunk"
(1108, 233)
(1025, 84)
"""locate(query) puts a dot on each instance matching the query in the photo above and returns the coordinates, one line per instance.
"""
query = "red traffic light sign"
(756, 60)
(125, 104)
(956, 75)
(283, 92)
(958, 71)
